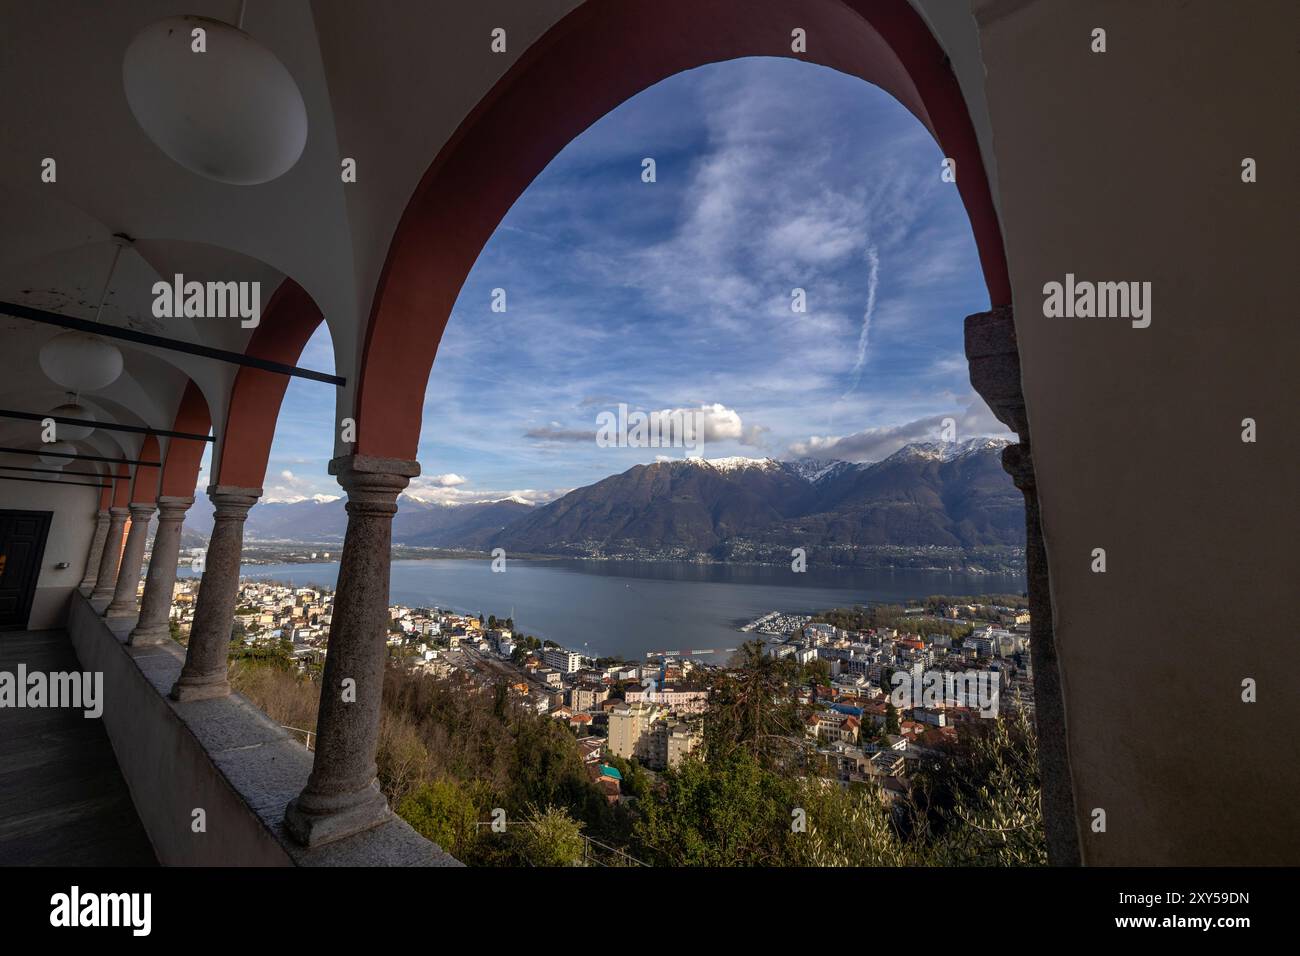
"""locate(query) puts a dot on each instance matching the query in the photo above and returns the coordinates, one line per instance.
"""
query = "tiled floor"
(63, 801)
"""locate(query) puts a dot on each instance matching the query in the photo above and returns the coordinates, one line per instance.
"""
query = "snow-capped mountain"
(952, 450)
(927, 493)
(937, 493)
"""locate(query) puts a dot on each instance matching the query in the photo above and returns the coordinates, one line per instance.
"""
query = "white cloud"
(874, 444)
(440, 495)
(293, 488)
(550, 433)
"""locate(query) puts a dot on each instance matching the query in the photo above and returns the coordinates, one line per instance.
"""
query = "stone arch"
(597, 57)
(121, 487)
(184, 455)
(288, 321)
(144, 483)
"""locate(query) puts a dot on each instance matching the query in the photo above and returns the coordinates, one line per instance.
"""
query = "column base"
(150, 635)
(121, 611)
(360, 811)
(98, 594)
(182, 692)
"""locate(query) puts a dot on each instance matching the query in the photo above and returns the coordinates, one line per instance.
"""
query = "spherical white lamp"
(80, 361)
(232, 113)
(65, 447)
(73, 432)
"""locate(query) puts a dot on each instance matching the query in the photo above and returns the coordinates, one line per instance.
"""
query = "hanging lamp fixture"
(56, 461)
(73, 409)
(215, 100)
(82, 361)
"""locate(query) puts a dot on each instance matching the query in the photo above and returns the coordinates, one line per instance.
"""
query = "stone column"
(156, 603)
(1049, 702)
(96, 550)
(205, 672)
(106, 579)
(128, 575)
(342, 796)
(994, 358)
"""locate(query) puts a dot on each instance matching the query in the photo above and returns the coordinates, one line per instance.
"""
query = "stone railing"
(211, 778)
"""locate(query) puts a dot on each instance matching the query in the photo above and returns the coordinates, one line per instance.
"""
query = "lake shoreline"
(628, 609)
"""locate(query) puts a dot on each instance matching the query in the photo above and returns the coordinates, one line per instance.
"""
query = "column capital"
(993, 354)
(141, 510)
(373, 483)
(116, 512)
(370, 465)
(233, 501)
(171, 506)
(102, 513)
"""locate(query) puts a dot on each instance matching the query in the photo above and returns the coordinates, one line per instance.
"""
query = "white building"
(563, 660)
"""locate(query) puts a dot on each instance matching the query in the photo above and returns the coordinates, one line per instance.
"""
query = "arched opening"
(288, 322)
(595, 59)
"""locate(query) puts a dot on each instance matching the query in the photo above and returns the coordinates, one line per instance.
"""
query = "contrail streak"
(864, 336)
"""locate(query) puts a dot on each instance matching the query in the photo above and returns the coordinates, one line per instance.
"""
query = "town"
(863, 723)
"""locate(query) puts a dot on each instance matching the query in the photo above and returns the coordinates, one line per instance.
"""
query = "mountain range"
(947, 494)
(323, 520)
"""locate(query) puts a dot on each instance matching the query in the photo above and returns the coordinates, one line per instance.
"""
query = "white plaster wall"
(71, 529)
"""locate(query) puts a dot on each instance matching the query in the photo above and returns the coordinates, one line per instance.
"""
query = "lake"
(626, 608)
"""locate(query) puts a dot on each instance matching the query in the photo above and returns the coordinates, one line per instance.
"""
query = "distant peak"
(949, 450)
(817, 469)
(433, 502)
(299, 499)
(735, 463)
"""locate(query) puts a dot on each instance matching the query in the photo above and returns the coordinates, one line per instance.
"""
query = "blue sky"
(771, 174)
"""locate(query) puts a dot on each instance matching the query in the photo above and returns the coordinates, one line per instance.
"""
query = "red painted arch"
(288, 321)
(122, 487)
(144, 486)
(184, 455)
(598, 56)
(106, 495)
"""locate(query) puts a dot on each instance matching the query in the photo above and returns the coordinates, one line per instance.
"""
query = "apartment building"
(563, 660)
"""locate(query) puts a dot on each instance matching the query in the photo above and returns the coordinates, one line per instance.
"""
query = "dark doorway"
(22, 545)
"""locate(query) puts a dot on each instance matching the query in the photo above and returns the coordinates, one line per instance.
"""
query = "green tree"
(548, 837)
(443, 812)
(754, 706)
(728, 811)
(847, 826)
(891, 718)
(817, 672)
(985, 797)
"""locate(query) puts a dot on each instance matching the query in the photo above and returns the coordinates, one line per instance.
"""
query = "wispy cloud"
(873, 282)
(874, 444)
(772, 175)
